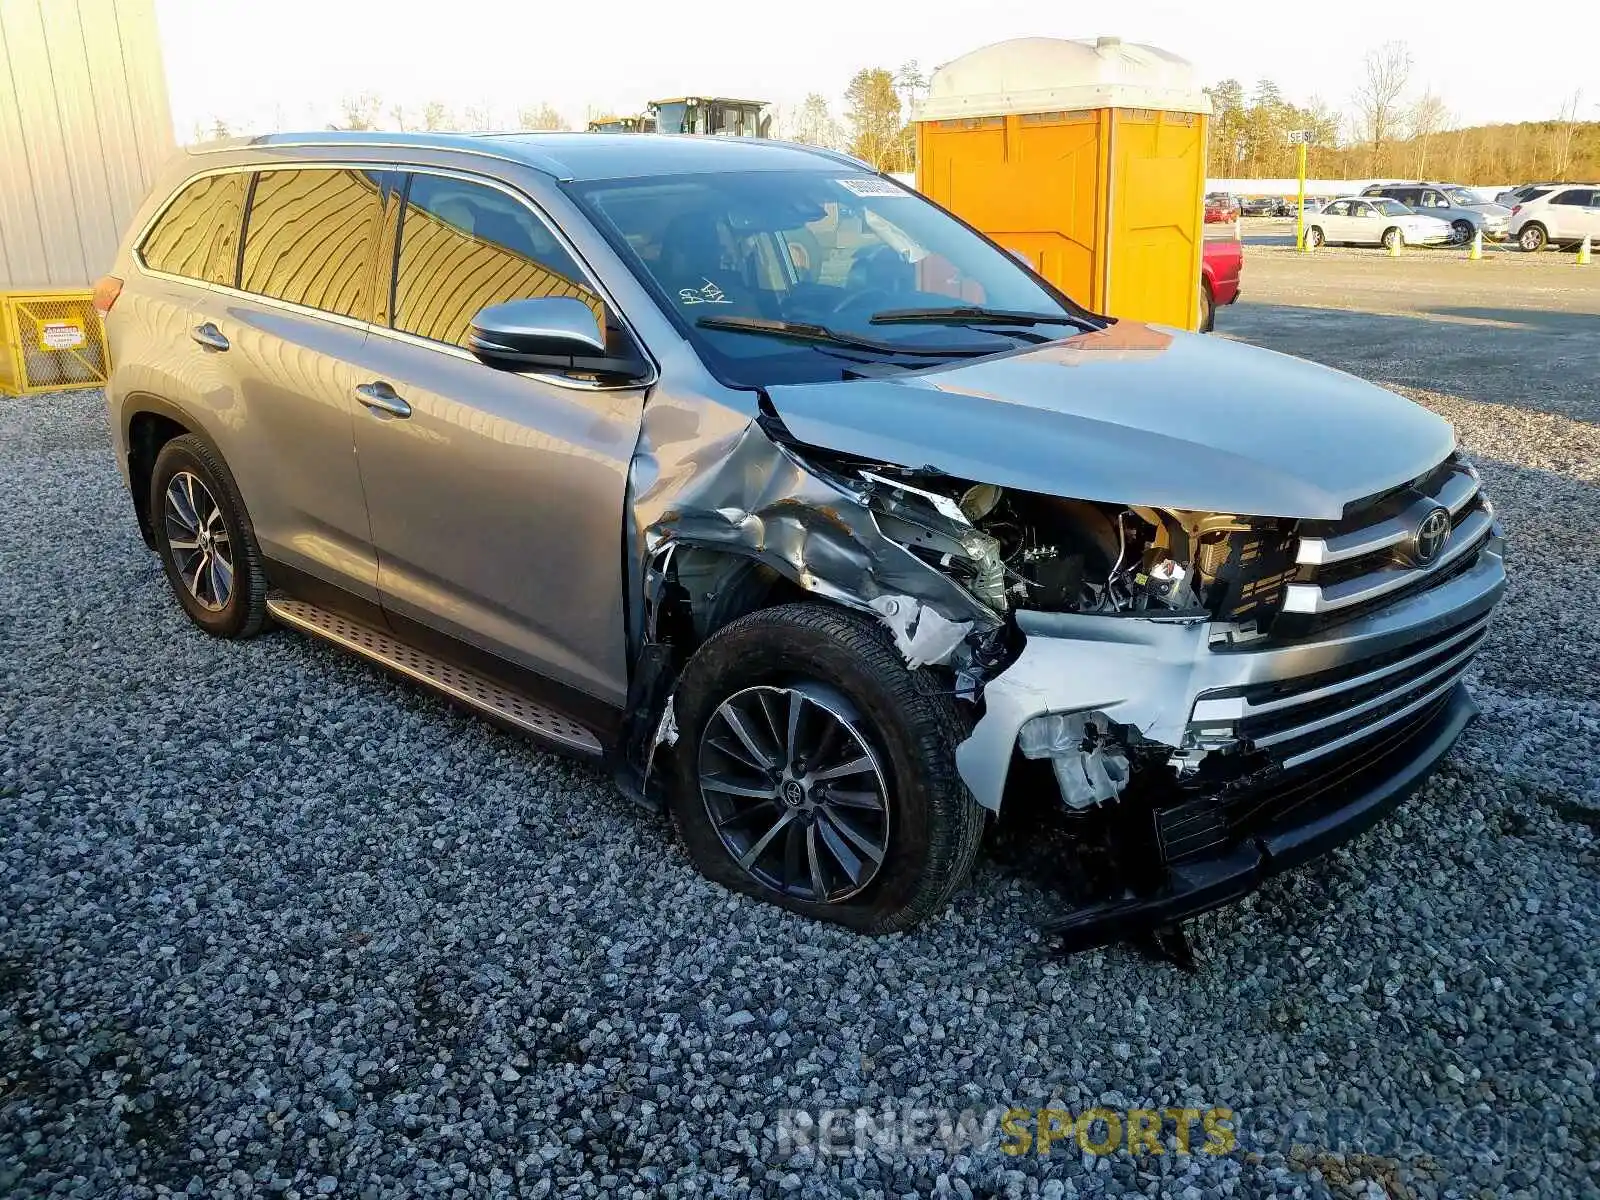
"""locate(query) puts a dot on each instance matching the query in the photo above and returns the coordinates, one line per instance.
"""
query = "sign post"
(1299, 138)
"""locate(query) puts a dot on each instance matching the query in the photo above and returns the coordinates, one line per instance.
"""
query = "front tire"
(1461, 232)
(814, 771)
(1533, 237)
(1392, 237)
(206, 542)
(1315, 238)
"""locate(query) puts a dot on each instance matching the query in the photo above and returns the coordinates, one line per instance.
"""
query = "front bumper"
(1349, 805)
(1287, 748)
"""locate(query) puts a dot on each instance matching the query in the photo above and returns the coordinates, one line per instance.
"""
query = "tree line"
(1389, 128)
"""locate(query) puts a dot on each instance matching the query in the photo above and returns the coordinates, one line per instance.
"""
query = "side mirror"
(558, 325)
(552, 333)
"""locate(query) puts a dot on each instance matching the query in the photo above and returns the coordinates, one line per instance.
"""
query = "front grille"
(1207, 824)
(1346, 568)
(1296, 721)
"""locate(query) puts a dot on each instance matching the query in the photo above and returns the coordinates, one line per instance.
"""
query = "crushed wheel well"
(147, 433)
(714, 588)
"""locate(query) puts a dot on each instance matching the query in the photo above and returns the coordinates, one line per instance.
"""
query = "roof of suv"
(580, 156)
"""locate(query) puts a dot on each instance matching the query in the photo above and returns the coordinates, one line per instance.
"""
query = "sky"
(287, 64)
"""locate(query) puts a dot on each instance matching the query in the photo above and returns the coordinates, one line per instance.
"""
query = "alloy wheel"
(198, 538)
(795, 792)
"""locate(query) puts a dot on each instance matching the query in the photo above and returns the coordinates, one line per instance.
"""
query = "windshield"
(1391, 208)
(762, 269)
(1460, 195)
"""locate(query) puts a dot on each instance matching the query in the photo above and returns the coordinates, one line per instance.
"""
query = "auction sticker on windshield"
(871, 187)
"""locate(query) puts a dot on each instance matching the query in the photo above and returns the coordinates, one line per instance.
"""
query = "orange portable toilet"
(1088, 158)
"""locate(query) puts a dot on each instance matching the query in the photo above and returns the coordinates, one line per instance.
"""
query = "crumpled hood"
(1136, 414)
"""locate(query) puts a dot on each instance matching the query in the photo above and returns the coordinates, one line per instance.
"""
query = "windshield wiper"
(805, 331)
(969, 314)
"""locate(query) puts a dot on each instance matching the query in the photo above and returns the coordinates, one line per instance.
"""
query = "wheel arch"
(149, 422)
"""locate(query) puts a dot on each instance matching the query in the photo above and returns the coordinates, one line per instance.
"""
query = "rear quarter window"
(197, 234)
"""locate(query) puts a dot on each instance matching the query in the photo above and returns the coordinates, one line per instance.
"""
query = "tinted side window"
(198, 234)
(311, 237)
(465, 246)
(1574, 196)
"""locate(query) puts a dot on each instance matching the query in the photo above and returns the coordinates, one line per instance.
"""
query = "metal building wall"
(84, 126)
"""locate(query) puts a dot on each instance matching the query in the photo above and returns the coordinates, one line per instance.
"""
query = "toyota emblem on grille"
(1430, 537)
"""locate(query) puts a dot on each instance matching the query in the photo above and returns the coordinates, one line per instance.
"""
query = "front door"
(1364, 226)
(496, 499)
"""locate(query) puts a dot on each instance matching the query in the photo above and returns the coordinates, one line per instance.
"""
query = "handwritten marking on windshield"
(707, 293)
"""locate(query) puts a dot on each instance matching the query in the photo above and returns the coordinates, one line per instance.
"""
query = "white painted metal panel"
(84, 125)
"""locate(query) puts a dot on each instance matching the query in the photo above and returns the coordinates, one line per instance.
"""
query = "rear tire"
(1461, 232)
(206, 542)
(839, 671)
(1392, 237)
(1533, 237)
(1208, 308)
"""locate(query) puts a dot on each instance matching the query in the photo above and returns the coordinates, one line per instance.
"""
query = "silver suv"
(820, 519)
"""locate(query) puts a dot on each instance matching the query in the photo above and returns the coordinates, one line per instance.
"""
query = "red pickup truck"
(1220, 263)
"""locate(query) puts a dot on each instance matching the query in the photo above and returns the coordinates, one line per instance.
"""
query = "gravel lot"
(274, 923)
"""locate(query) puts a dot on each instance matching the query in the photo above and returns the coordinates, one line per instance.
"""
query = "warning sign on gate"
(61, 335)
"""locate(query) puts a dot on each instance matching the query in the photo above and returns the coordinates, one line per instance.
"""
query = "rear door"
(283, 340)
(1567, 215)
(496, 498)
(1337, 225)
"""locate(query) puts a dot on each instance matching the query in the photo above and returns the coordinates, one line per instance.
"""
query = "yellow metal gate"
(51, 340)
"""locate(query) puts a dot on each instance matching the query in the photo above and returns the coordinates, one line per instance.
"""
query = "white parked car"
(1562, 215)
(1375, 221)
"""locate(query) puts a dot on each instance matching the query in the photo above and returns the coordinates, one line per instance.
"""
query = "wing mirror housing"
(551, 333)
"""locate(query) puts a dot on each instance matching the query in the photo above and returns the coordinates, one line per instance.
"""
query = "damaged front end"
(1123, 657)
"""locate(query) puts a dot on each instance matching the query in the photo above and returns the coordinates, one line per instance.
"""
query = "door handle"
(379, 397)
(209, 336)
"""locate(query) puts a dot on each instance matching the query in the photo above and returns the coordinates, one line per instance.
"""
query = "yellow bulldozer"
(718, 116)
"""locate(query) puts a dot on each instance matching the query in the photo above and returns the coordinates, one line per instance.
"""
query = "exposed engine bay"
(1015, 550)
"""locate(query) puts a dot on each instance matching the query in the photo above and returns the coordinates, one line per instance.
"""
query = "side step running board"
(460, 683)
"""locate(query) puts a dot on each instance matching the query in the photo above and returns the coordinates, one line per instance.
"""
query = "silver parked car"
(1374, 221)
(824, 522)
(1461, 208)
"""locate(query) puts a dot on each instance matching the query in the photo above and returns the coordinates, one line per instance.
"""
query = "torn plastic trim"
(920, 634)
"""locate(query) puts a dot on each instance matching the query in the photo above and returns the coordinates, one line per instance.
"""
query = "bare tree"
(910, 83)
(815, 126)
(1378, 99)
(397, 116)
(217, 130)
(436, 117)
(1561, 136)
(360, 112)
(1425, 118)
(542, 116)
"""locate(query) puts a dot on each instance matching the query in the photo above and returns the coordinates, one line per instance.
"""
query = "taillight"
(1515, 209)
(106, 290)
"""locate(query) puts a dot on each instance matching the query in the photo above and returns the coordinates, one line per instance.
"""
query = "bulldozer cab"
(638, 124)
(714, 115)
